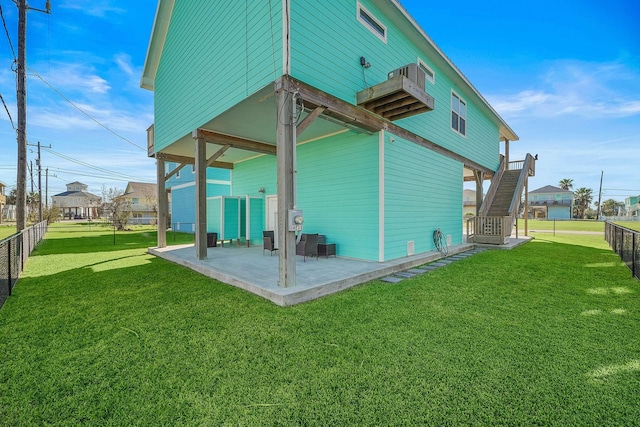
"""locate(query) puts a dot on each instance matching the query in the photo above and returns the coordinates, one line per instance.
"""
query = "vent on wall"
(410, 248)
(413, 72)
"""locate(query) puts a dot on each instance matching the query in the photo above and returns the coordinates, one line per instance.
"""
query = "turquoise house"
(341, 114)
(182, 183)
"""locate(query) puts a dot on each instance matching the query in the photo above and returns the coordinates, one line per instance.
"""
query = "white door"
(272, 216)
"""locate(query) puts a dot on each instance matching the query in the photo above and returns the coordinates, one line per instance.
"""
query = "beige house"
(468, 203)
(77, 202)
(142, 198)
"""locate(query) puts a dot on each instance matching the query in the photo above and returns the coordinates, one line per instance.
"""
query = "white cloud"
(588, 90)
(74, 78)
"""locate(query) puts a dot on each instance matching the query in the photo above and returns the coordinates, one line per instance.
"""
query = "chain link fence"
(626, 243)
(14, 251)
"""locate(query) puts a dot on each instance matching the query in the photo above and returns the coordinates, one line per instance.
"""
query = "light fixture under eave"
(261, 190)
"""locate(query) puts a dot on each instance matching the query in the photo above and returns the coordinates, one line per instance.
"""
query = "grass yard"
(7, 230)
(572, 225)
(634, 225)
(103, 334)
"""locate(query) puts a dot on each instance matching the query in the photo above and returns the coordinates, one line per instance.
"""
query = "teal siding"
(322, 58)
(423, 192)
(218, 51)
(214, 215)
(337, 189)
(256, 219)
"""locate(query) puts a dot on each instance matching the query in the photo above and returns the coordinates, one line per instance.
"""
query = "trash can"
(212, 240)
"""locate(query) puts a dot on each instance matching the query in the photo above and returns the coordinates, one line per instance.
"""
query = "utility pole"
(39, 185)
(21, 199)
(599, 197)
(21, 70)
(46, 189)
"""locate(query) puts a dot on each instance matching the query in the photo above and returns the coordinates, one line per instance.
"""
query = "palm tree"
(566, 184)
(582, 198)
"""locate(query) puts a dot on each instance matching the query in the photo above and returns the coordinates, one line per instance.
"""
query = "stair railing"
(493, 189)
(528, 168)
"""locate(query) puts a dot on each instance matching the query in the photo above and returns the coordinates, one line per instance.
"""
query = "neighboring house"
(183, 193)
(346, 110)
(77, 202)
(551, 203)
(3, 199)
(469, 203)
(143, 201)
(632, 206)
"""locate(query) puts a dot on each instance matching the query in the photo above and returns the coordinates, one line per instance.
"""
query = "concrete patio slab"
(249, 269)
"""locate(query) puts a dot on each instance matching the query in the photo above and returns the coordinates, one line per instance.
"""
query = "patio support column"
(286, 170)
(163, 204)
(506, 154)
(526, 205)
(201, 195)
(479, 177)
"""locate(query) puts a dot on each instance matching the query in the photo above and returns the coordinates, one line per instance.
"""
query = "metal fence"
(626, 243)
(14, 251)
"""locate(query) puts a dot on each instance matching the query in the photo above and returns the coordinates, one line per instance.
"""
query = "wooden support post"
(286, 170)
(201, 196)
(163, 204)
(526, 205)
(506, 154)
(479, 176)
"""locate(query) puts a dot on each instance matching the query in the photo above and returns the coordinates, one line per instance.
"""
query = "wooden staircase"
(500, 206)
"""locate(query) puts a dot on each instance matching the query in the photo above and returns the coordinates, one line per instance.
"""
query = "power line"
(7, 33)
(90, 166)
(35, 73)
(8, 113)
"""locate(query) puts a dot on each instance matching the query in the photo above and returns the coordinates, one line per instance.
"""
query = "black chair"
(307, 246)
(212, 240)
(268, 242)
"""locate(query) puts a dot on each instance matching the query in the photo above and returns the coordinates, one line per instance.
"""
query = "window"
(428, 72)
(372, 24)
(135, 200)
(458, 114)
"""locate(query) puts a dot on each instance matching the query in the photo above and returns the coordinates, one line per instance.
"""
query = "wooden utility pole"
(21, 190)
(21, 96)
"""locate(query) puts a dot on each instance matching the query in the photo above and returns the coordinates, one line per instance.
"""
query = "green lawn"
(634, 225)
(573, 225)
(7, 230)
(104, 334)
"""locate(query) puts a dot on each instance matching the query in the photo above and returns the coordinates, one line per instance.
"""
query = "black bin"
(212, 240)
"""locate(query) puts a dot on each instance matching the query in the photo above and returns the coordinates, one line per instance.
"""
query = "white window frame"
(466, 105)
(368, 24)
(430, 75)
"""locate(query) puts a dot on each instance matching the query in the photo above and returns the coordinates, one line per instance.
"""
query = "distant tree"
(610, 207)
(117, 207)
(51, 214)
(11, 198)
(151, 200)
(582, 199)
(566, 184)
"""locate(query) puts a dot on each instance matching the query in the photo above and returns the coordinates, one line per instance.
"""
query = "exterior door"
(272, 216)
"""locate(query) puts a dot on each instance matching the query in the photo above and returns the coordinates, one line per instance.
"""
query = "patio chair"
(268, 241)
(307, 246)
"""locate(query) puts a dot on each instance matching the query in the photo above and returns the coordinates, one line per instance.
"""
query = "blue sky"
(564, 74)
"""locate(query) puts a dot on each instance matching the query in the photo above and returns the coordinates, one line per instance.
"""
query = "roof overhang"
(156, 43)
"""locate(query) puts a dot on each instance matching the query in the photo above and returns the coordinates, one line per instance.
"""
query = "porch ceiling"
(253, 119)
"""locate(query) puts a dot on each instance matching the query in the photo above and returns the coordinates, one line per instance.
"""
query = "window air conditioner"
(413, 72)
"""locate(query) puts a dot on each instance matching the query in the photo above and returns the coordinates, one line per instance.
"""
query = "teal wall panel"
(423, 192)
(337, 189)
(214, 215)
(327, 42)
(215, 54)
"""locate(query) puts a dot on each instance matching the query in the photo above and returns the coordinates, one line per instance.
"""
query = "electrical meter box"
(295, 220)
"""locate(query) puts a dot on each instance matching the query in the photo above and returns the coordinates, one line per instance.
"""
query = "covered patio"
(253, 271)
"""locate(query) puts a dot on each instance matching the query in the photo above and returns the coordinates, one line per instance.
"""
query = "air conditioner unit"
(411, 71)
